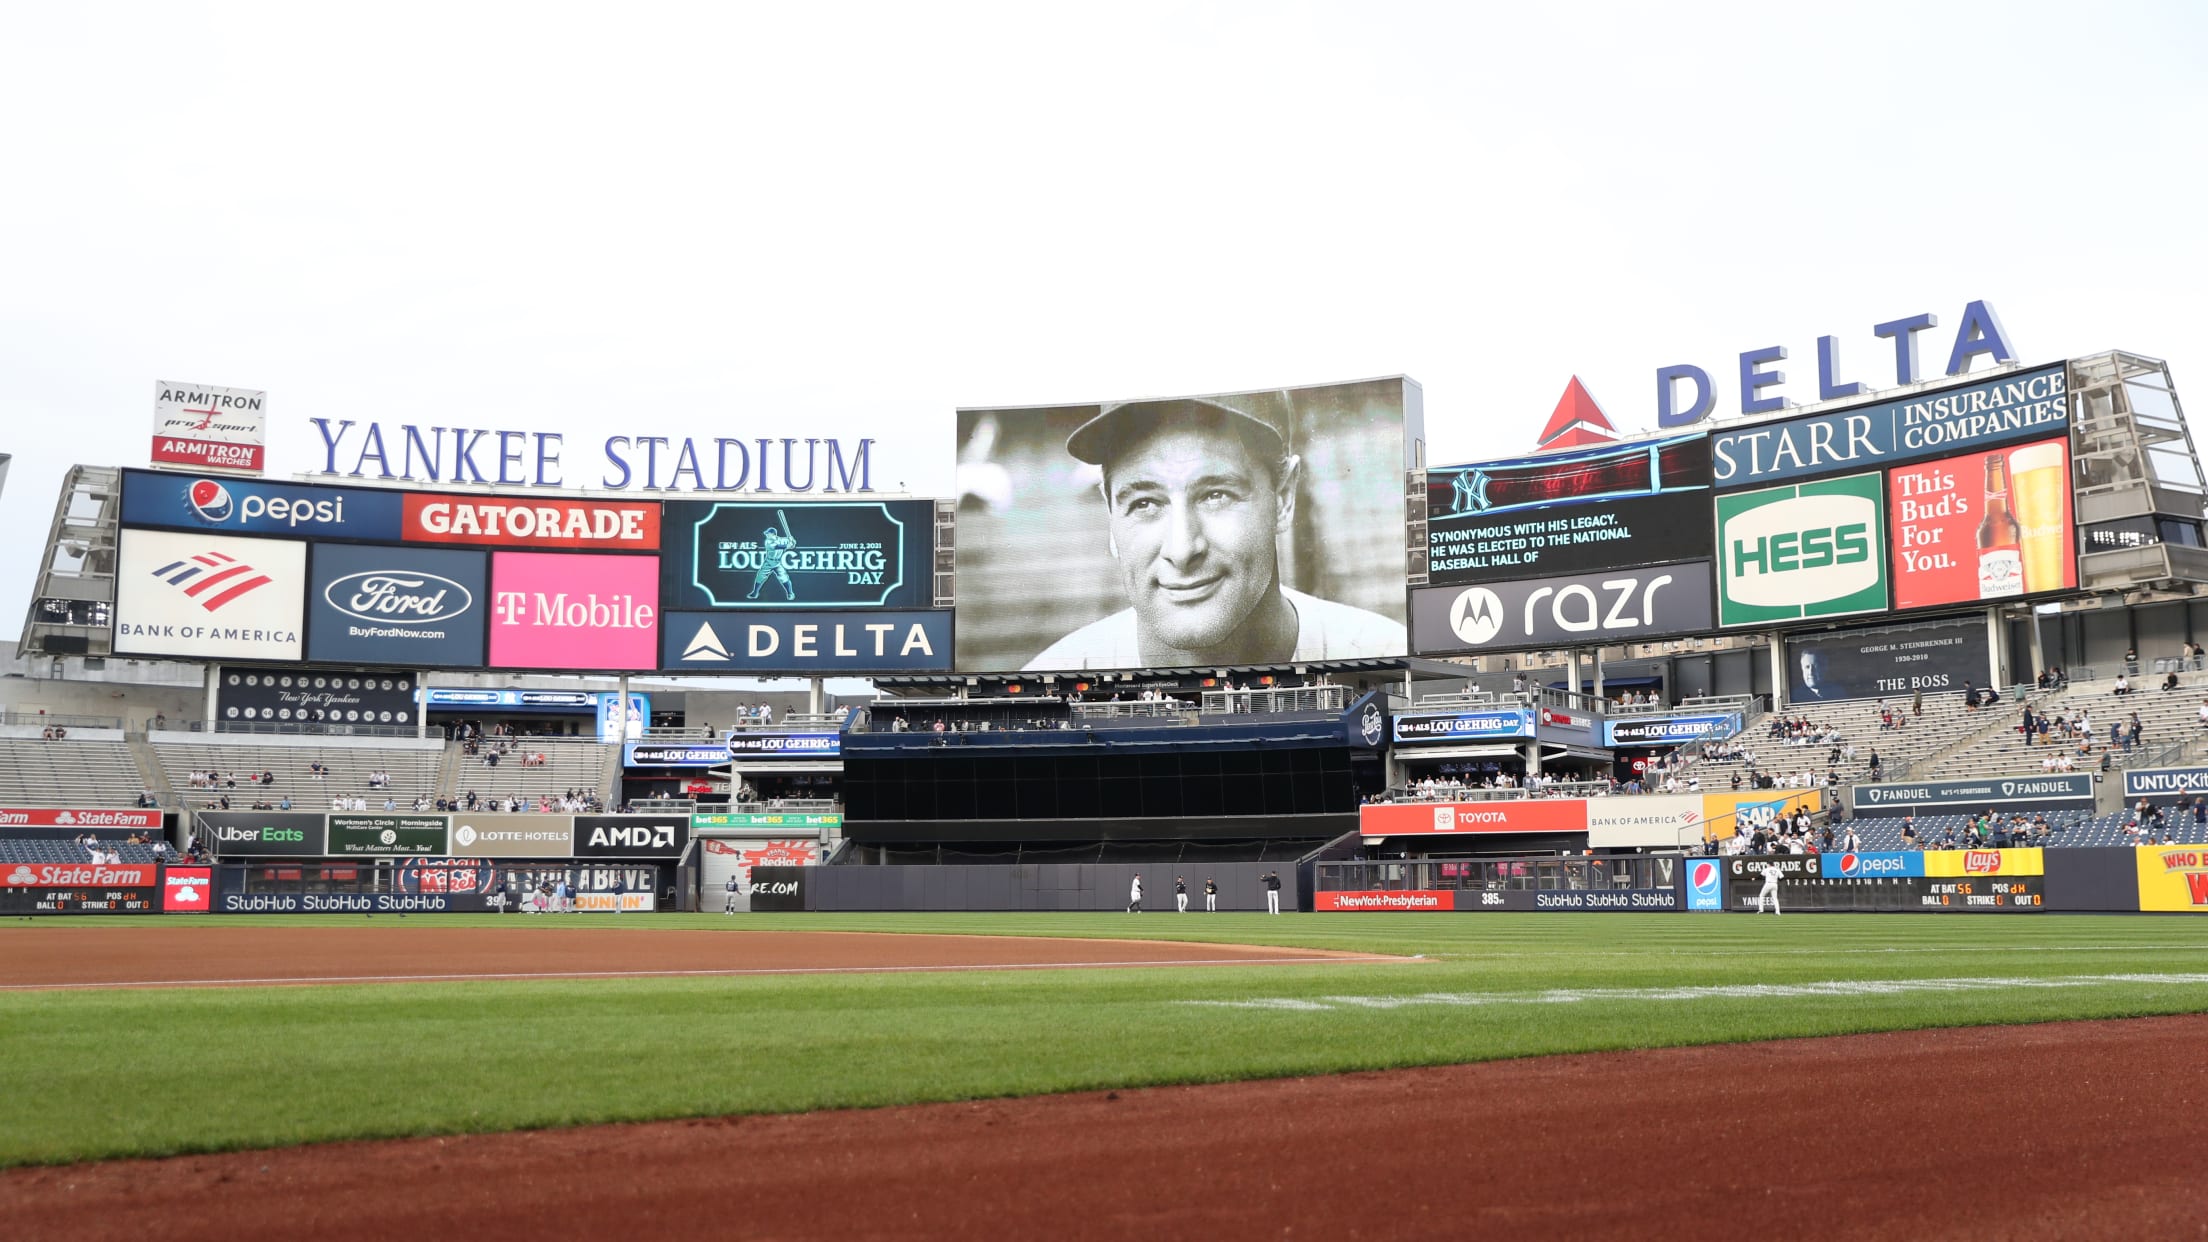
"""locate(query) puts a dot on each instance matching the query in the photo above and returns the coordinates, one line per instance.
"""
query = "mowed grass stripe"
(167, 1071)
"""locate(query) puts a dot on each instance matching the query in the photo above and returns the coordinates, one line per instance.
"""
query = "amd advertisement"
(806, 642)
(323, 698)
(757, 555)
(1892, 661)
(407, 607)
(1186, 532)
(631, 836)
(1577, 511)
(1621, 606)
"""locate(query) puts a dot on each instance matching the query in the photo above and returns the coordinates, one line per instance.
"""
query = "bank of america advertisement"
(209, 596)
(1801, 551)
(751, 555)
(2020, 405)
(1226, 529)
(1576, 511)
(1626, 605)
(404, 607)
(1983, 526)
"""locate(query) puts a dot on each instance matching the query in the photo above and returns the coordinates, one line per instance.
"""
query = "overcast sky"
(839, 220)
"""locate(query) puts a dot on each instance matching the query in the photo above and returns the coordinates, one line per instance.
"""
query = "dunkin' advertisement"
(1982, 526)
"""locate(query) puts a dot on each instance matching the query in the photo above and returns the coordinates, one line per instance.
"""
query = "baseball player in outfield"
(735, 889)
(1180, 894)
(1134, 895)
(1211, 895)
(1272, 892)
(1771, 872)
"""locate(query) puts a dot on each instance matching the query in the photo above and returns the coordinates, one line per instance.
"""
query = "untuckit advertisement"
(1186, 532)
(1986, 526)
(756, 555)
(1575, 511)
(390, 834)
(562, 610)
(1801, 551)
(229, 506)
(2021, 405)
(806, 642)
(1620, 606)
(1890, 661)
(1396, 819)
(408, 607)
(209, 596)
(532, 522)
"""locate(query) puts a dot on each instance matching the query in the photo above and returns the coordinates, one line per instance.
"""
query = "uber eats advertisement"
(1801, 551)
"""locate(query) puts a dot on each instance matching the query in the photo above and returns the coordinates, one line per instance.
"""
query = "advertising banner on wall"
(1398, 819)
(512, 836)
(631, 836)
(1508, 722)
(388, 834)
(79, 819)
(724, 859)
(260, 834)
(559, 610)
(1576, 511)
(1991, 525)
(801, 642)
(2021, 405)
(229, 506)
(787, 745)
(1620, 606)
(328, 698)
(1689, 819)
(1663, 730)
(187, 890)
(772, 821)
(1227, 529)
(532, 522)
(409, 607)
(673, 755)
(2173, 878)
(1801, 551)
(2043, 793)
(78, 888)
(2138, 783)
(756, 555)
(1891, 661)
(209, 596)
(209, 427)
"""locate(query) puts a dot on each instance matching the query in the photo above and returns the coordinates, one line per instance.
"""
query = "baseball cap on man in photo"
(1267, 413)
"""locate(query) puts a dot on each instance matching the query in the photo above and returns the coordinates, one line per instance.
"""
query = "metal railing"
(63, 721)
(789, 804)
(1160, 711)
(796, 720)
(1276, 700)
(303, 728)
(1540, 874)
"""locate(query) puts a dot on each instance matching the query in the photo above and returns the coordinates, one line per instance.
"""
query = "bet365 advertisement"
(1982, 526)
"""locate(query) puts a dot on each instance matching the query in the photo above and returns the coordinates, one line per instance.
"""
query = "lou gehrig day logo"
(755, 556)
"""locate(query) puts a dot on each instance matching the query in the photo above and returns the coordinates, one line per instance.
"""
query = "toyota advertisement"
(1801, 551)
(210, 596)
(1574, 511)
(565, 611)
(408, 607)
(234, 506)
(1400, 819)
(1621, 606)
(1986, 526)
(760, 555)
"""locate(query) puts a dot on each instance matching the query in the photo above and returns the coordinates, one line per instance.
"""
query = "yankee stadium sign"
(418, 454)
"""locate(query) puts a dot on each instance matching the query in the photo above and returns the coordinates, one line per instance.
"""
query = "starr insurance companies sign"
(210, 428)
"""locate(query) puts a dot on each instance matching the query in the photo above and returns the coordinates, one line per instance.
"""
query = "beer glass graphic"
(2038, 478)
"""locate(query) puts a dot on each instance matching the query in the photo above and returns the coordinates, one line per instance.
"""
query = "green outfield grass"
(156, 1072)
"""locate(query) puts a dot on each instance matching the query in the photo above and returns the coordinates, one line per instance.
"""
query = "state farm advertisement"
(72, 875)
(1983, 526)
(527, 522)
(187, 890)
(562, 610)
(75, 817)
(1400, 819)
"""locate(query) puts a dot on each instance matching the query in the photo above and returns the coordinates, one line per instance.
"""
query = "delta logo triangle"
(1576, 422)
(705, 644)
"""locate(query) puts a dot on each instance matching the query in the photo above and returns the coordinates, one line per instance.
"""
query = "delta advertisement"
(754, 555)
(408, 607)
(1405, 819)
(1890, 662)
(211, 596)
(1578, 511)
(1620, 606)
(2173, 878)
(2021, 405)
(1801, 551)
(1984, 526)
(557, 610)
(532, 522)
(209, 427)
(227, 506)
(1514, 722)
(1664, 730)
(2045, 793)
(388, 835)
(806, 642)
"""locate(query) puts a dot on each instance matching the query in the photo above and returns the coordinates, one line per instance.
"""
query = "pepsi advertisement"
(258, 507)
(760, 555)
(407, 607)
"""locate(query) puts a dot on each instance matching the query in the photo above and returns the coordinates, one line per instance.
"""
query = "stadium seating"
(62, 851)
(412, 764)
(2072, 828)
(1944, 723)
(89, 768)
(2166, 718)
(569, 763)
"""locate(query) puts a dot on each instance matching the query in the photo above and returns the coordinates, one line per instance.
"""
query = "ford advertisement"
(405, 607)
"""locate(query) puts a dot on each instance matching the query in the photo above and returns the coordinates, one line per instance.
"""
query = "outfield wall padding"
(2093, 878)
(1034, 886)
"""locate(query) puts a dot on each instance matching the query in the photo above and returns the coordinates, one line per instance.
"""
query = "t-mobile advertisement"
(1888, 662)
(571, 610)
(1982, 526)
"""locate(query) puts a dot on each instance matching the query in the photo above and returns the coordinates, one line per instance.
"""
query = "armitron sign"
(209, 428)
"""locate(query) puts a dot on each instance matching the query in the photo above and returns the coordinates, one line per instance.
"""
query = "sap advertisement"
(564, 610)
(1993, 525)
(2022, 405)
(806, 642)
(761, 555)
(529, 522)
(258, 507)
(1583, 510)
(1801, 551)
(1184, 532)
(211, 596)
(408, 607)
(1464, 726)
(1893, 661)
(1621, 606)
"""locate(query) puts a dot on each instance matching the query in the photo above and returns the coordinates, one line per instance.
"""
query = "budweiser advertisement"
(567, 610)
(529, 522)
(210, 428)
(1399, 819)
(72, 875)
(75, 817)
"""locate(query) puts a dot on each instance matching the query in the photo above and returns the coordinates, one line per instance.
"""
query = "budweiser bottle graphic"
(2000, 538)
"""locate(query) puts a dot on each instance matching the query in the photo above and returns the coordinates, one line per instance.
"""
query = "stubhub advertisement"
(574, 610)
(258, 507)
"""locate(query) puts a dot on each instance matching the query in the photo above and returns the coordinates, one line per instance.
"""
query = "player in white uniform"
(1134, 895)
(1771, 873)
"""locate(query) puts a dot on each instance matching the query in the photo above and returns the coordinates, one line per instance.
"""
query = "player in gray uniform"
(1771, 873)
(774, 547)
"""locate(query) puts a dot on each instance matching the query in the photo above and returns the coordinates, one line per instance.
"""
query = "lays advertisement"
(2173, 877)
(1985, 862)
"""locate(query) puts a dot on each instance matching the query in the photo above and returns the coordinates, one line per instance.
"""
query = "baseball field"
(381, 1041)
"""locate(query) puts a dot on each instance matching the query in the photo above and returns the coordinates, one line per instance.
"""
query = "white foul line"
(1723, 991)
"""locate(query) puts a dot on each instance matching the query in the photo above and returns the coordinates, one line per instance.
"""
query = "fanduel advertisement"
(806, 642)
(1577, 511)
(631, 836)
(1663, 730)
(409, 607)
(529, 522)
(1893, 661)
(1464, 726)
(233, 506)
(2024, 405)
(2001, 792)
(1621, 606)
(209, 596)
(558, 610)
(760, 555)
(1801, 551)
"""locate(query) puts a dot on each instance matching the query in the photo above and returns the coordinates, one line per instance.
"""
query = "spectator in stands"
(2131, 660)
(1970, 696)
(160, 720)
(1877, 767)
(2169, 683)
(2123, 684)
(2131, 735)
(146, 800)
(284, 803)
